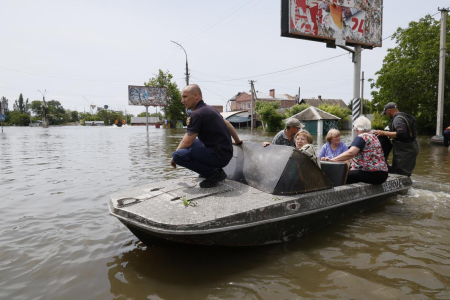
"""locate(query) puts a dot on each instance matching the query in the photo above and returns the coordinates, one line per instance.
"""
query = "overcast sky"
(88, 51)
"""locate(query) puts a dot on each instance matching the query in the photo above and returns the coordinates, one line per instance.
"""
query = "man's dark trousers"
(199, 159)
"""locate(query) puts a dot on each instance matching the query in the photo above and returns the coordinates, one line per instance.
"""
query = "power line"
(213, 24)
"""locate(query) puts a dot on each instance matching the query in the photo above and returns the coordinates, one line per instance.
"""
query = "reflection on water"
(59, 242)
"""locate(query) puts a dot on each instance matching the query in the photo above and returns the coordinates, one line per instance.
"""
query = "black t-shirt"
(212, 131)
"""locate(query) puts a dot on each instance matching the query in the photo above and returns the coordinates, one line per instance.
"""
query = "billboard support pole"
(146, 116)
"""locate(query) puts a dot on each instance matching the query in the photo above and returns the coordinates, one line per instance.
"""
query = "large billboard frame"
(147, 95)
(334, 22)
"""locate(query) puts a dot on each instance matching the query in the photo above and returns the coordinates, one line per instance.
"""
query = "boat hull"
(268, 233)
(275, 220)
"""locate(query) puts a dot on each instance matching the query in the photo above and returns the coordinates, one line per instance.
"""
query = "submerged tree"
(410, 73)
(175, 109)
(268, 112)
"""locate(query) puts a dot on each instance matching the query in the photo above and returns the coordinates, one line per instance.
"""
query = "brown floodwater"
(58, 241)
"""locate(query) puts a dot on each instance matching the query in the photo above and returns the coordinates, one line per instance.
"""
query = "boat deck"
(161, 206)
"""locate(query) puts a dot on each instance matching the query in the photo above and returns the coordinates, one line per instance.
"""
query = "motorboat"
(119, 122)
(272, 194)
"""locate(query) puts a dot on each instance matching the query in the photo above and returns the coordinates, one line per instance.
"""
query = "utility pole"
(252, 89)
(44, 110)
(440, 108)
(356, 107)
(187, 69)
(362, 93)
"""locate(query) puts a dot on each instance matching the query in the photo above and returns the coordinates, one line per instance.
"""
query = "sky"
(88, 51)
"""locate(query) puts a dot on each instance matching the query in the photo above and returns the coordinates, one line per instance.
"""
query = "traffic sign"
(2, 117)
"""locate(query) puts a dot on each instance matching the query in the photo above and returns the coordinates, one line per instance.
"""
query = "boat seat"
(335, 171)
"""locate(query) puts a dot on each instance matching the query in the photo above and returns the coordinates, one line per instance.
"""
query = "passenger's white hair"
(362, 124)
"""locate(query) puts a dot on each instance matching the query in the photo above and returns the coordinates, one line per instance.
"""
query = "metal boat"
(273, 194)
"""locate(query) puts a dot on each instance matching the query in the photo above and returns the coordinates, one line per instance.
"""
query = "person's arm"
(233, 133)
(186, 142)
(322, 152)
(390, 134)
(350, 153)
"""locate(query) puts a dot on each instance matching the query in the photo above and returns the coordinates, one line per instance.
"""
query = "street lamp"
(44, 110)
(187, 69)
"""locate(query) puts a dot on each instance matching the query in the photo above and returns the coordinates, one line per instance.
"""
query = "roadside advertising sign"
(147, 95)
(335, 22)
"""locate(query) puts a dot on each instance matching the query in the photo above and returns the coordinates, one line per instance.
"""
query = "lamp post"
(44, 110)
(187, 69)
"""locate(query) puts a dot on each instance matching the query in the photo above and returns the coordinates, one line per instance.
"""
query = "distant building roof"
(319, 101)
(312, 113)
(264, 96)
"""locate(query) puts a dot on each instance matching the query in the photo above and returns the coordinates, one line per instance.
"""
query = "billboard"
(147, 95)
(337, 22)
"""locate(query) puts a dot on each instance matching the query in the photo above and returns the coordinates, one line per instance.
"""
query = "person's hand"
(266, 144)
(173, 164)
(237, 143)
(378, 132)
(324, 158)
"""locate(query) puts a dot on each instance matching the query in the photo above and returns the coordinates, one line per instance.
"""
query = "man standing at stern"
(212, 150)
(402, 131)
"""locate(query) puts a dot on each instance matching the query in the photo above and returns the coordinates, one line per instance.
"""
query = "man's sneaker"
(213, 179)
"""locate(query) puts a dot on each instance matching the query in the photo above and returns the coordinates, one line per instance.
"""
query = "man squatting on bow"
(206, 146)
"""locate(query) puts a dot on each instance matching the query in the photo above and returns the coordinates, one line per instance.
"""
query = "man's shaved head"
(193, 88)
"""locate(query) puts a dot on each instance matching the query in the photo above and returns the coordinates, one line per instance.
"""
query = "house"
(317, 102)
(317, 121)
(242, 100)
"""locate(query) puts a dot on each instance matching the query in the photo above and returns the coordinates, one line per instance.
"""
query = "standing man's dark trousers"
(404, 159)
(199, 159)
(446, 137)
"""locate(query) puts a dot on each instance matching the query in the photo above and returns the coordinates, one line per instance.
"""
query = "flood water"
(58, 241)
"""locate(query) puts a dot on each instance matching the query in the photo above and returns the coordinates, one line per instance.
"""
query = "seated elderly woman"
(368, 164)
(303, 142)
(334, 147)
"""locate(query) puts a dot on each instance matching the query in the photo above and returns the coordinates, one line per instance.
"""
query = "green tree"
(175, 109)
(73, 116)
(337, 111)
(378, 122)
(297, 108)
(36, 108)
(20, 105)
(410, 73)
(56, 113)
(158, 114)
(268, 112)
(19, 119)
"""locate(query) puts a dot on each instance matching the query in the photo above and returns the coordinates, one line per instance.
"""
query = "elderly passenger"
(334, 147)
(368, 164)
(303, 142)
(285, 136)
